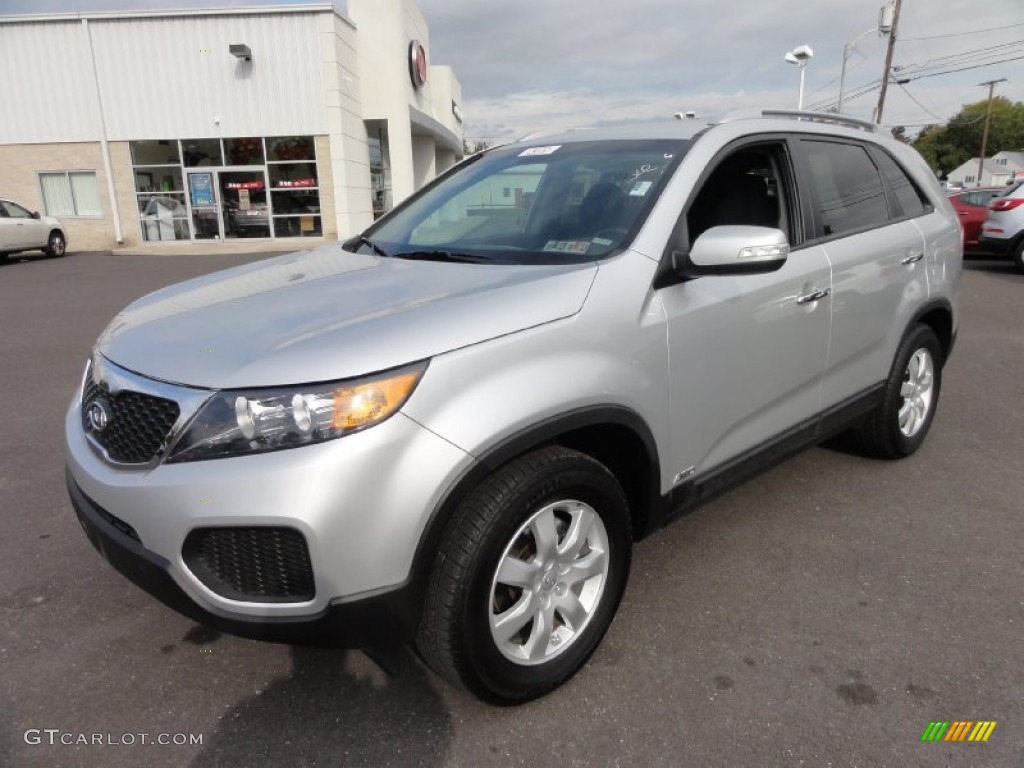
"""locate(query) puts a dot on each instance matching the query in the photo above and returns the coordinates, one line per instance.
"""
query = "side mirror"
(35, 215)
(733, 250)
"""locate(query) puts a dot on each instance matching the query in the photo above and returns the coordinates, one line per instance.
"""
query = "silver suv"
(449, 430)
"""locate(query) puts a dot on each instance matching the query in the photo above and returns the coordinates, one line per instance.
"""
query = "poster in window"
(201, 187)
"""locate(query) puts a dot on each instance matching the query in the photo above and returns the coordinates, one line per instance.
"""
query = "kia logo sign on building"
(417, 63)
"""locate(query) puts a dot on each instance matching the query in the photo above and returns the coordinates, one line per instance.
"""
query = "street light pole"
(800, 56)
(847, 49)
(988, 117)
(888, 60)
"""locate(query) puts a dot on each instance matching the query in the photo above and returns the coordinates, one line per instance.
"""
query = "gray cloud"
(536, 64)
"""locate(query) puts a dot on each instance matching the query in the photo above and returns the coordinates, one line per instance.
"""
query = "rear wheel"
(898, 426)
(56, 245)
(529, 575)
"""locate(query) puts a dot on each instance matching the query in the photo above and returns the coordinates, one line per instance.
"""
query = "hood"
(329, 314)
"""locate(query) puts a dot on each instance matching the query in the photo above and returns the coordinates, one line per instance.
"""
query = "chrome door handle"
(912, 258)
(807, 298)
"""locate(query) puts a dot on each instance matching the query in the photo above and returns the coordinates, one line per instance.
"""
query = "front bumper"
(362, 504)
(384, 619)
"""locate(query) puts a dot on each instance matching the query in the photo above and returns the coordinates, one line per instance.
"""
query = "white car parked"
(25, 230)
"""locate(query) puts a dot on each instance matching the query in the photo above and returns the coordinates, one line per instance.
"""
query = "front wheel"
(898, 426)
(528, 577)
(56, 245)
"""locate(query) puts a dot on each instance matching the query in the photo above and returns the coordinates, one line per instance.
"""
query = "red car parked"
(970, 207)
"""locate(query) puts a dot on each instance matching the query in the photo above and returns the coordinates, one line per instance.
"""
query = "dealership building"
(279, 123)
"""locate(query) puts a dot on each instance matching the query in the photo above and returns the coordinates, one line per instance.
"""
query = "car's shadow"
(335, 708)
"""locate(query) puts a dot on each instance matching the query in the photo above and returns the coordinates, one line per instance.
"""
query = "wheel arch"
(938, 315)
(614, 435)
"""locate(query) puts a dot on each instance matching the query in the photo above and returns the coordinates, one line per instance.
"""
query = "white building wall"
(346, 131)
(47, 89)
(174, 77)
(386, 28)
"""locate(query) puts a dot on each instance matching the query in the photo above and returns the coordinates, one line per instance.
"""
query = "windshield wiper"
(467, 258)
(361, 240)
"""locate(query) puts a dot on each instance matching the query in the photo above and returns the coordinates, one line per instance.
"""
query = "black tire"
(880, 434)
(56, 245)
(455, 636)
(1018, 255)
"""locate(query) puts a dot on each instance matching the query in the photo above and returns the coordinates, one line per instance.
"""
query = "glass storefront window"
(197, 152)
(283, 148)
(162, 152)
(297, 226)
(158, 179)
(294, 201)
(278, 195)
(292, 175)
(163, 217)
(243, 151)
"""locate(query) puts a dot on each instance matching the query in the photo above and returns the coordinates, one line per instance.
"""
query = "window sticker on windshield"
(601, 241)
(535, 151)
(640, 188)
(567, 246)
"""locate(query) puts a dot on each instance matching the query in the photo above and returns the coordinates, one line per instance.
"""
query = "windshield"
(552, 204)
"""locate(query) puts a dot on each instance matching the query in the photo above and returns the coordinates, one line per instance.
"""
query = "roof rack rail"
(798, 114)
(823, 117)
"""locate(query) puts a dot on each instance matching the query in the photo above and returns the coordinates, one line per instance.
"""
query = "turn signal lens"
(366, 404)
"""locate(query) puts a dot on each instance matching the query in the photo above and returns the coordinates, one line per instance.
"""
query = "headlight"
(238, 422)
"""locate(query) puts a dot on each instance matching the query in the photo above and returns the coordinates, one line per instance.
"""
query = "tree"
(899, 133)
(949, 146)
(479, 145)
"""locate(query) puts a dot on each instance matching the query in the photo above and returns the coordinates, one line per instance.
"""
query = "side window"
(849, 189)
(749, 186)
(15, 211)
(909, 196)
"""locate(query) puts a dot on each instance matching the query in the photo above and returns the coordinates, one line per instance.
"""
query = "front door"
(746, 352)
(204, 204)
(21, 230)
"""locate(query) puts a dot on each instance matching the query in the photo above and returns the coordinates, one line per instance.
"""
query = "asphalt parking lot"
(821, 615)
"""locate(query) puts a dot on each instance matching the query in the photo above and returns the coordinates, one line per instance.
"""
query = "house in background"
(1000, 169)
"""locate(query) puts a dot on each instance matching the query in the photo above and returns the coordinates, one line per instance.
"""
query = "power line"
(961, 69)
(922, 106)
(959, 34)
(965, 57)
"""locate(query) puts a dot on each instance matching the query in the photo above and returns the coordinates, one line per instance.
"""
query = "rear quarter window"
(911, 200)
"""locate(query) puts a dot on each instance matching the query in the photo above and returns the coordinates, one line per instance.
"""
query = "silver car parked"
(449, 430)
(25, 230)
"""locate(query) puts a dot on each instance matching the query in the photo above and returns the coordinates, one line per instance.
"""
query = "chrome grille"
(138, 423)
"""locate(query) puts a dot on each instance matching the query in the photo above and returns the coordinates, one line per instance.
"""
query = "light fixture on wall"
(240, 51)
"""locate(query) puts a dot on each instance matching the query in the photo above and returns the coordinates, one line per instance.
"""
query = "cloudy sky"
(542, 64)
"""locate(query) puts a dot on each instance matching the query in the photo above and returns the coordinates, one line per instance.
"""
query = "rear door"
(877, 257)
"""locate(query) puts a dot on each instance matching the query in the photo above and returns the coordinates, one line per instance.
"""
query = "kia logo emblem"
(99, 415)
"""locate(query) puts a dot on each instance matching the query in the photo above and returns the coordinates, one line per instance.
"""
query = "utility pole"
(988, 117)
(888, 60)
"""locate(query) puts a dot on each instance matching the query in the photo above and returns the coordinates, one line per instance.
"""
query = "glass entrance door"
(244, 203)
(202, 189)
